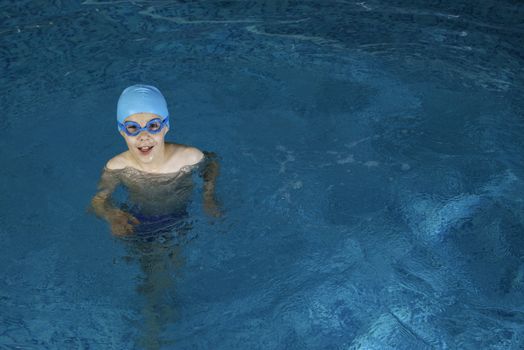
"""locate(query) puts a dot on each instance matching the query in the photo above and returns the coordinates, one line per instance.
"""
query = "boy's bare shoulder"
(193, 155)
(185, 155)
(118, 162)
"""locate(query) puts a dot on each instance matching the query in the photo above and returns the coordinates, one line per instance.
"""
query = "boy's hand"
(121, 222)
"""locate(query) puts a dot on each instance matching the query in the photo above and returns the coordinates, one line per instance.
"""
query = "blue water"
(372, 176)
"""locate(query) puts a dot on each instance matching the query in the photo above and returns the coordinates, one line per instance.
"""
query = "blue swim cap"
(141, 99)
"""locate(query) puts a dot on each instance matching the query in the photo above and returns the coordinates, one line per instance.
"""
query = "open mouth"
(145, 150)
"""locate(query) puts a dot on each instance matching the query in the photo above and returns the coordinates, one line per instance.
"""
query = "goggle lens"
(154, 126)
(130, 128)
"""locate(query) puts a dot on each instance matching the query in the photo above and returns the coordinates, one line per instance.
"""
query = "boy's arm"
(210, 174)
(101, 203)
(120, 221)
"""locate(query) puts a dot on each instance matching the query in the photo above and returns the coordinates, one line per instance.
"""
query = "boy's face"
(145, 147)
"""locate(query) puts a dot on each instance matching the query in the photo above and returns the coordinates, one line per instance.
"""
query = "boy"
(156, 173)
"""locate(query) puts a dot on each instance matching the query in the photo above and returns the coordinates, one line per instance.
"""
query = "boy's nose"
(144, 135)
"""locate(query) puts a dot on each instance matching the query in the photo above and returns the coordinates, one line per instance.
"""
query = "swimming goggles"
(154, 126)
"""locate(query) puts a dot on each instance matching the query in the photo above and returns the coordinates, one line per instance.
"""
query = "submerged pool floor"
(371, 175)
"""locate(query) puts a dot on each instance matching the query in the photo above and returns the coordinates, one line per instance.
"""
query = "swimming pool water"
(371, 175)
